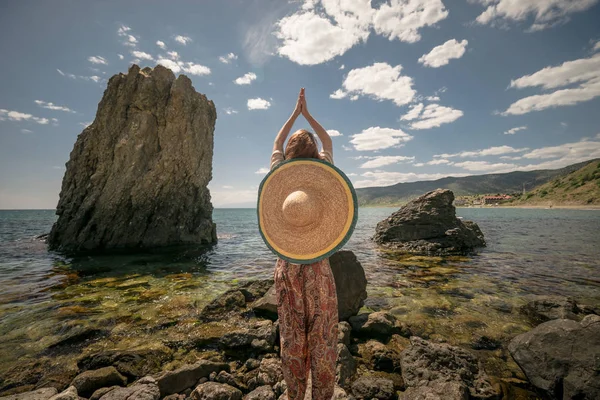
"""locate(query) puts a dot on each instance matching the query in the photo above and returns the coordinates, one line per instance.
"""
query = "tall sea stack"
(137, 176)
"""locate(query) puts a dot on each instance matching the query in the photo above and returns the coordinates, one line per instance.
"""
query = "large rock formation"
(428, 225)
(562, 357)
(138, 175)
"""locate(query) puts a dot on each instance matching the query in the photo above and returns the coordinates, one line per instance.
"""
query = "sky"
(409, 89)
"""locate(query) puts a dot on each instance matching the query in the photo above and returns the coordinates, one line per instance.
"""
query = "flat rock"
(561, 357)
(176, 381)
(137, 176)
(424, 362)
(258, 336)
(216, 391)
(39, 394)
(266, 306)
(133, 364)
(69, 394)
(428, 226)
(88, 382)
(546, 308)
(143, 389)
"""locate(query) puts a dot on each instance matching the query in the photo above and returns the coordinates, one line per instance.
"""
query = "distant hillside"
(511, 182)
(581, 187)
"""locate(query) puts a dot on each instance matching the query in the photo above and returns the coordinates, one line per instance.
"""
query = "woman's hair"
(302, 144)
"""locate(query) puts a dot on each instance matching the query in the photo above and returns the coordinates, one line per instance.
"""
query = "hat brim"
(329, 232)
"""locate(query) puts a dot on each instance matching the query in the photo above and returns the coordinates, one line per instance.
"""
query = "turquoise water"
(43, 295)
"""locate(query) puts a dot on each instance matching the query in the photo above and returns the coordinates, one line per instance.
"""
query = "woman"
(306, 294)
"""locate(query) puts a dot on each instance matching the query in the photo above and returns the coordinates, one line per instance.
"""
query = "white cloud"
(181, 66)
(402, 19)
(432, 98)
(545, 13)
(334, 133)
(246, 79)
(121, 56)
(342, 66)
(258, 104)
(227, 196)
(439, 161)
(173, 55)
(228, 58)
(122, 31)
(19, 116)
(172, 65)
(484, 166)
(338, 94)
(262, 171)
(381, 161)
(131, 41)
(596, 46)
(161, 44)
(60, 72)
(354, 97)
(380, 81)
(376, 138)
(97, 60)
(183, 39)
(95, 78)
(26, 131)
(442, 54)
(578, 150)
(419, 164)
(85, 124)
(435, 115)
(512, 131)
(52, 106)
(347, 148)
(383, 178)
(230, 111)
(141, 55)
(227, 187)
(490, 151)
(413, 113)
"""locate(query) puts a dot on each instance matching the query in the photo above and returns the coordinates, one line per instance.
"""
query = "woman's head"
(302, 144)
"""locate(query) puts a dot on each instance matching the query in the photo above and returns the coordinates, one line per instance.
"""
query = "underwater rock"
(216, 391)
(40, 394)
(561, 357)
(137, 176)
(428, 225)
(380, 324)
(425, 362)
(170, 382)
(88, 382)
(546, 308)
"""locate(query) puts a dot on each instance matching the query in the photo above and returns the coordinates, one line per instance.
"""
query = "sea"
(44, 296)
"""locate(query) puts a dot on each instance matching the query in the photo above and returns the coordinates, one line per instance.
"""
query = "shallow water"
(46, 298)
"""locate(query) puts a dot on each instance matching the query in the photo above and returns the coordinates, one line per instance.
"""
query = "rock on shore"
(137, 176)
(428, 225)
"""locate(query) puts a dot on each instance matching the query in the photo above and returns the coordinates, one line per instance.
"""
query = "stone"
(39, 394)
(561, 357)
(231, 380)
(69, 394)
(350, 282)
(216, 391)
(259, 335)
(170, 382)
(269, 372)
(546, 308)
(133, 364)
(261, 393)
(143, 389)
(344, 329)
(222, 306)
(380, 357)
(340, 394)
(367, 387)
(424, 362)
(101, 392)
(436, 391)
(428, 226)
(88, 382)
(251, 363)
(485, 343)
(379, 324)
(345, 366)
(137, 176)
(254, 290)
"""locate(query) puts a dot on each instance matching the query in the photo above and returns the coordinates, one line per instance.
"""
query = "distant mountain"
(511, 182)
(580, 187)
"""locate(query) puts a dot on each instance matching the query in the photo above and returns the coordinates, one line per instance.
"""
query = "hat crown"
(300, 208)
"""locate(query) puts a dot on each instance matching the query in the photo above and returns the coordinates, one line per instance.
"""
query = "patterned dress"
(308, 321)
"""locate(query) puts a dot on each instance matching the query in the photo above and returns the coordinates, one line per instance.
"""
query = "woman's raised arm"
(287, 127)
(319, 130)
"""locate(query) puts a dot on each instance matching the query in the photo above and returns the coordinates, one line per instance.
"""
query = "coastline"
(542, 206)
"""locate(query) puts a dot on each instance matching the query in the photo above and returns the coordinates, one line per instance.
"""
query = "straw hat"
(307, 210)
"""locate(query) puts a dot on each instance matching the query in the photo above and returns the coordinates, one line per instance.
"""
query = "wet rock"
(143, 389)
(76, 338)
(88, 382)
(350, 282)
(254, 290)
(137, 176)
(379, 324)
(424, 362)
(69, 394)
(428, 225)
(560, 357)
(261, 393)
(259, 336)
(40, 394)
(344, 329)
(230, 301)
(269, 372)
(485, 343)
(367, 387)
(132, 364)
(345, 366)
(101, 392)
(436, 391)
(547, 308)
(216, 391)
(170, 382)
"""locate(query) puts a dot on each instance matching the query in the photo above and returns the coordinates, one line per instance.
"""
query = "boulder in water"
(137, 176)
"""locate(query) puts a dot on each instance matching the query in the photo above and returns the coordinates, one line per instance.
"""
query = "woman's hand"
(298, 108)
(304, 108)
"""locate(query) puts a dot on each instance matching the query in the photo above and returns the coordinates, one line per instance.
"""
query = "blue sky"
(415, 90)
